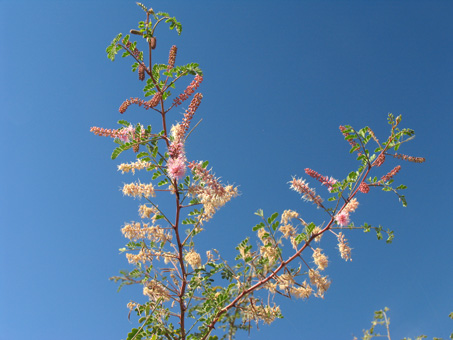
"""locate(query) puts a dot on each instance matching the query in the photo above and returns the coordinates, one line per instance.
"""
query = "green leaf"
(259, 212)
(157, 174)
(403, 200)
(275, 225)
(163, 14)
(112, 49)
(390, 237)
(120, 149)
(401, 187)
(301, 237)
(126, 39)
(272, 218)
(132, 334)
(124, 122)
(142, 154)
(163, 182)
(354, 148)
(363, 131)
(204, 164)
(352, 176)
(309, 228)
(258, 226)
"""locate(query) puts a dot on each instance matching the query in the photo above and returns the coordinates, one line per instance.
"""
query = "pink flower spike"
(126, 133)
(329, 183)
(342, 219)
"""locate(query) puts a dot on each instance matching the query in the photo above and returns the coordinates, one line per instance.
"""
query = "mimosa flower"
(320, 259)
(307, 193)
(363, 187)
(342, 219)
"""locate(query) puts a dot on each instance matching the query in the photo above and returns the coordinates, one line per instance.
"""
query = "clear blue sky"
(280, 77)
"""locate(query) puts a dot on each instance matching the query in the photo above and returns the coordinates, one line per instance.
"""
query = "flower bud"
(152, 41)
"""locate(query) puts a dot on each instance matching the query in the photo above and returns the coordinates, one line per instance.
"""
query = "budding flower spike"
(187, 295)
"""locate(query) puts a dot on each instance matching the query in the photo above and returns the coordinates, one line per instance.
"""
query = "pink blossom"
(329, 183)
(342, 219)
(176, 167)
(125, 134)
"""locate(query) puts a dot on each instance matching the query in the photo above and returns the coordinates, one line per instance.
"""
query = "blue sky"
(279, 78)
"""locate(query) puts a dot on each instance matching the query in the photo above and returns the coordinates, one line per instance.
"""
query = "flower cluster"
(172, 58)
(135, 52)
(321, 282)
(131, 167)
(188, 115)
(254, 312)
(176, 164)
(145, 212)
(307, 193)
(328, 182)
(189, 90)
(409, 158)
(211, 193)
(320, 259)
(379, 161)
(138, 190)
(343, 247)
(286, 228)
(390, 174)
(316, 231)
(193, 259)
(155, 291)
(113, 133)
(269, 250)
(140, 102)
(137, 231)
(141, 72)
(285, 281)
(143, 256)
(342, 218)
(365, 188)
(303, 291)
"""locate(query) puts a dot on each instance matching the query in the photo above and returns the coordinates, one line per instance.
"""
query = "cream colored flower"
(271, 253)
(285, 281)
(351, 206)
(302, 292)
(255, 312)
(154, 290)
(138, 190)
(288, 215)
(345, 250)
(137, 165)
(321, 282)
(193, 259)
(320, 259)
(287, 230)
(145, 211)
(317, 230)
